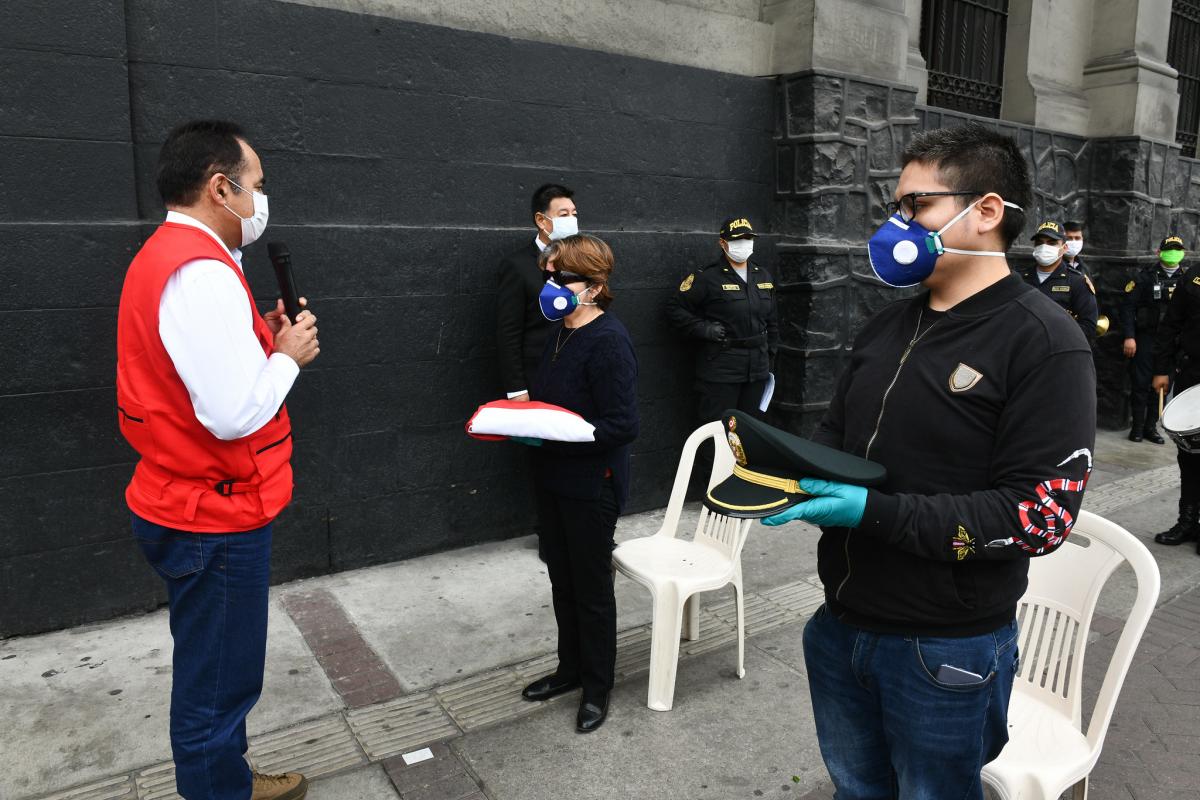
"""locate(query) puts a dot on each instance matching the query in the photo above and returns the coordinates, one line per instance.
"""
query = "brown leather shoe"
(289, 786)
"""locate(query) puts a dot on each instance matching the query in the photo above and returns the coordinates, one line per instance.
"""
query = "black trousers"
(1189, 463)
(714, 398)
(1143, 401)
(577, 543)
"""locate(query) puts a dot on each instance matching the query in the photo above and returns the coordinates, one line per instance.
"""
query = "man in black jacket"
(1074, 231)
(1177, 361)
(912, 657)
(520, 327)
(1146, 299)
(728, 310)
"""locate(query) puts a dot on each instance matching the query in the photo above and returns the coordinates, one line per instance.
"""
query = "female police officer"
(729, 308)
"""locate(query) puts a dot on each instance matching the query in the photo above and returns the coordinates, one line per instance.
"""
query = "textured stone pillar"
(1045, 50)
(1131, 88)
(838, 140)
(838, 144)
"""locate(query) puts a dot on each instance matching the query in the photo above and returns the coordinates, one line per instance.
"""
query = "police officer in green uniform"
(728, 309)
(1142, 309)
(1065, 286)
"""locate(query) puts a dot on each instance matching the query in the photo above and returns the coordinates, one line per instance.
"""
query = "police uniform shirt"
(1177, 340)
(1145, 300)
(745, 308)
(1071, 291)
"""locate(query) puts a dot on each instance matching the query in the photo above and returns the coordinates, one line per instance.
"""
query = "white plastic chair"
(675, 570)
(1048, 752)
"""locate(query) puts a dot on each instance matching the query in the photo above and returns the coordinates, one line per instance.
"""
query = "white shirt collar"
(179, 218)
(538, 241)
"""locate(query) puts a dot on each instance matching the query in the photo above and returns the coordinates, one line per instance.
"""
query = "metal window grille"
(963, 45)
(1183, 53)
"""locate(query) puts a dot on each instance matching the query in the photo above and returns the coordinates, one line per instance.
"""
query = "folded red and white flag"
(502, 419)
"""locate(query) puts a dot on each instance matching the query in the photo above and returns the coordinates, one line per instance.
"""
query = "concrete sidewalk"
(365, 666)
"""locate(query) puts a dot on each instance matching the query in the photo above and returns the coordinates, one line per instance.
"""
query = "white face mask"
(253, 225)
(740, 250)
(1045, 254)
(1074, 247)
(563, 227)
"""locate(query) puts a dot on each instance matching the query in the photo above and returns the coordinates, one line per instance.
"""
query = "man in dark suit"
(520, 326)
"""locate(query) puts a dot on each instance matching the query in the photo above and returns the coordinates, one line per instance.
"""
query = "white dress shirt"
(205, 323)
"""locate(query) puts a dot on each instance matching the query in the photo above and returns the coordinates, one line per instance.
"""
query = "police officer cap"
(769, 464)
(1172, 243)
(736, 228)
(1050, 228)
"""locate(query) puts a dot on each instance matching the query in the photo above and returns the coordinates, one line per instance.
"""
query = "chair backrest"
(722, 533)
(722, 468)
(1055, 617)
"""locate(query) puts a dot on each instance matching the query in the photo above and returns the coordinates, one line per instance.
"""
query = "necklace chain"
(559, 343)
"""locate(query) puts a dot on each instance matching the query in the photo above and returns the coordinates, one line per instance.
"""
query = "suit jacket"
(520, 327)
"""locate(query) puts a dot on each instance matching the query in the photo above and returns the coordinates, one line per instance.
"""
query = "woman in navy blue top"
(588, 366)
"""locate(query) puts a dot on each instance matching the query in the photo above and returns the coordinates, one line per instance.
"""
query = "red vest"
(188, 479)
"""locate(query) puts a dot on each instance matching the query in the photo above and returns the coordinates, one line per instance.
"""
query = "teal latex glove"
(835, 505)
(525, 440)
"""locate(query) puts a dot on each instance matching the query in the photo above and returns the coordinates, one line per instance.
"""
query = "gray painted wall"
(401, 158)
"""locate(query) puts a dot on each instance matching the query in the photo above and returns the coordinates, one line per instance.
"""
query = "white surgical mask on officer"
(253, 225)
(740, 250)
(1074, 247)
(1046, 254)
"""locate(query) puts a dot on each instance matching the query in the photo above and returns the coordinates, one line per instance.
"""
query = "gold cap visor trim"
(785, 485)
(732, 507)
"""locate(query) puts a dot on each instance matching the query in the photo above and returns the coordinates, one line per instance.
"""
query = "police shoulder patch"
(1129, 287)
(1089, 283)
(687, 282)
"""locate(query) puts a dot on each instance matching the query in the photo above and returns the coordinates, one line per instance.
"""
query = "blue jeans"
(888, 727)
(217, 590)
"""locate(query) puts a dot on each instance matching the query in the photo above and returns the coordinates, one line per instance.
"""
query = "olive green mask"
(1171, 257)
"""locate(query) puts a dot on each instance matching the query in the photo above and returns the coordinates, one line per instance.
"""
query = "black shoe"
(549, 686)
(1135, 436)
(1181, 532)
(1152, 436)
(591, 715)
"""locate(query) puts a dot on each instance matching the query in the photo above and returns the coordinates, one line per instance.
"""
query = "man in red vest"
(201, 379)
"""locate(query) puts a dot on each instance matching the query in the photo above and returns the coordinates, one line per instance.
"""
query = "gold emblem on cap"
(964, 378)
(735, 443)
(1130, 286)
(1051, 225)
(687, 283)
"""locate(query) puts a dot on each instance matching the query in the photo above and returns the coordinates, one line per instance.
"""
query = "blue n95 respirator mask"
(904, 253)
(557, 302)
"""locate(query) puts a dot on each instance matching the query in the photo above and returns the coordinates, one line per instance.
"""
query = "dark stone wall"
(400, 158)
(838, 141)
(837, 146)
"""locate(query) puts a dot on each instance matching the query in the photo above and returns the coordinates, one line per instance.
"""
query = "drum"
(1181, 420)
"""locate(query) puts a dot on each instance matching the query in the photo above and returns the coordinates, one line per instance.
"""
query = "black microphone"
(281, 260)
